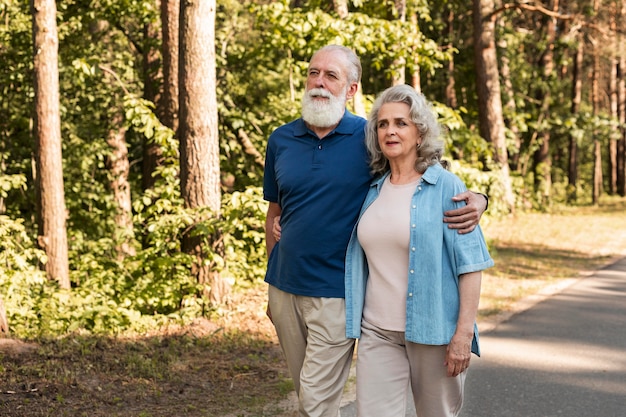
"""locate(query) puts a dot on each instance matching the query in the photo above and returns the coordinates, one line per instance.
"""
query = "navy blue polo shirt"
(320, 186)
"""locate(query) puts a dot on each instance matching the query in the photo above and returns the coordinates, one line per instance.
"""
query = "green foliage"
(262, 52)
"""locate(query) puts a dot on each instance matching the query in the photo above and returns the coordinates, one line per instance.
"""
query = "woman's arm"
(460, 347)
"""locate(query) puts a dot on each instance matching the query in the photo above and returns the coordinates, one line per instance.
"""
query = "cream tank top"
(384, 233)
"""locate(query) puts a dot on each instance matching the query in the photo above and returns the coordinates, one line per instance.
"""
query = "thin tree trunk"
(119, 168)
(621, 109)
(199, 139)
(4, 321)
(509, 93)
(621, 143)
(488, 85)
(572, 171)
(47, 131)
(398, 77)
(170, 11)
(595, 100)
(451, 99)
(612, 149)
(614, 103)
(542, 157)
(152, 153)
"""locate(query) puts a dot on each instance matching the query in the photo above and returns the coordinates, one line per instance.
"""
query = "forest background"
(132, 133)
(132, 141)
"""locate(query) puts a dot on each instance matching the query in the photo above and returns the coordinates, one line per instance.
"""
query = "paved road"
(564, 357)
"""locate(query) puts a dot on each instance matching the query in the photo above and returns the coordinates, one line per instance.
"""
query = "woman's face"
(397, 134)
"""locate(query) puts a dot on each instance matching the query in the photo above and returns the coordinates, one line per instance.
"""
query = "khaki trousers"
(388, 367)
(312, 335)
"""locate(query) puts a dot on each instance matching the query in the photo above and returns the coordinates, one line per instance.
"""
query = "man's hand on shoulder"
(466, 218)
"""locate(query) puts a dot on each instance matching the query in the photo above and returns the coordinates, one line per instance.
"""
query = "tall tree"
(119, 167)
(47, 131)
(199, 140)
(621, 101)
(542, 159)
(491, 119)
(577, 83)
(170, 11)
(152, 91)
(596, 190)
(398, 75)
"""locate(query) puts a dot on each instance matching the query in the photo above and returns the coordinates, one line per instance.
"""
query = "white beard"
(322, 114)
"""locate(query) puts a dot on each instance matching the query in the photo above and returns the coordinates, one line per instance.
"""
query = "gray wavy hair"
(422, 114)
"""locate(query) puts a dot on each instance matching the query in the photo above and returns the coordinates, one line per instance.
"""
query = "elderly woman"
(412, 284)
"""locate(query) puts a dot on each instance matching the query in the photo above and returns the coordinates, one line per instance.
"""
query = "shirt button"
(411, 271)
(319, 147)
(410, 294)
(414, 206)
(413, 249)
(413, 226)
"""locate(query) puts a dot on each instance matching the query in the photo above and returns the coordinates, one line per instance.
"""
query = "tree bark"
(595, 101)
(4, 322)
(490, 115)
(170, 11)
(199, 140)
(577, 84)
(47, 132)
(119, 168)
(542, 157)
(451, 99)
(152, 91)
(621, 108)
(398, 75)
(621, 143)
(509, 104)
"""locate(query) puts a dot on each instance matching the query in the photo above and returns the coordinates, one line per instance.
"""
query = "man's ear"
(354, 87)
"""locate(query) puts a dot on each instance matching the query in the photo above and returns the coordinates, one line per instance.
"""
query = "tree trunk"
(597, 147)
(170, 11)
(341, 8)
(542, 158)
(612, 151)
(577, 84)
(398, 77)
(509, 103)
(614, 104)
(4, 322)
(490, 115)
(119, 168)
(451, 99)
(199, 140)
(152, 154)
(621, 143)
(47, 131)
(595, 101)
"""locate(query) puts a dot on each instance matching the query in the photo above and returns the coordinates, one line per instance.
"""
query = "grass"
(232, 366)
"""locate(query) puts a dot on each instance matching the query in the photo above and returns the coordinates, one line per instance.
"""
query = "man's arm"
(466, 218)
(273, 211)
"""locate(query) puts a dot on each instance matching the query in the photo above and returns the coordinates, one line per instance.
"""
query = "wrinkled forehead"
(334, 61)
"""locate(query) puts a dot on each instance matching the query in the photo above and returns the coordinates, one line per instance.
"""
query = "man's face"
(327, 89)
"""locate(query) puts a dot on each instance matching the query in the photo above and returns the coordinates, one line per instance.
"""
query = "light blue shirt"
(437, 256)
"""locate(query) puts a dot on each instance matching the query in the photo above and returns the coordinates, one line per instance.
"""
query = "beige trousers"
(312, 335)
(388, 367)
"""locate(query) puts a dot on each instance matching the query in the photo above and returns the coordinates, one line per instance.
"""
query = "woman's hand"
(458, 354)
